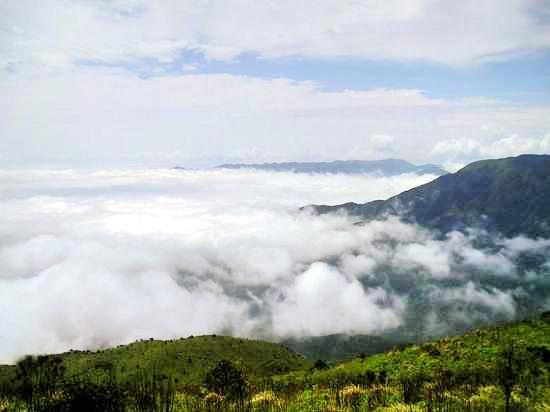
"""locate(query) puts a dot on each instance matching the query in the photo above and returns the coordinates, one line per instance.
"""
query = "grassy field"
(491, 369)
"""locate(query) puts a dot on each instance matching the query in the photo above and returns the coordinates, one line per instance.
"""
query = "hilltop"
(385, 167)
(510, 196)
(186, 359)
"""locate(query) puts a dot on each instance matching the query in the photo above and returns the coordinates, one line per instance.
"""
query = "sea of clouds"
(97, 258)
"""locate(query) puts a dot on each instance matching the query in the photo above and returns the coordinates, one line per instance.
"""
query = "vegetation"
(503, 368)
(187, 360)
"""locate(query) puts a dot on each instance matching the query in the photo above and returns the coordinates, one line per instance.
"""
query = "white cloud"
(103, 257)
(352, 309)
(429, 255)
(491, 147)
(470, 294)
(357, 265)
(59, 33)
(521, 244)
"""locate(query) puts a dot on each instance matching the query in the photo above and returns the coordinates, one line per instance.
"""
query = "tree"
(227, 380)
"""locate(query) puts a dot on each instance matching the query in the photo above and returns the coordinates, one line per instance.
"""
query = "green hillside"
(187, 359)
(474, 352)
(462, 373)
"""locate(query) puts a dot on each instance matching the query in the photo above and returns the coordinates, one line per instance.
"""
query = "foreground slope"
(475, 352)
(489, 369)
(510, 196)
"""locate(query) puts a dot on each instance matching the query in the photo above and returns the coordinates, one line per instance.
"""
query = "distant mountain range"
(510, 196)
(386, 167)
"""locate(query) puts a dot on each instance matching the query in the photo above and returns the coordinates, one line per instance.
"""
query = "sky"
(134, 83)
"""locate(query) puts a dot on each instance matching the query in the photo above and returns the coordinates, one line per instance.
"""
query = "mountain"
(386, 167)
(510, 196)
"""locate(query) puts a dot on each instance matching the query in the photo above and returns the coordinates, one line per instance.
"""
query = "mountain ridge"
(510, 196)
(386, 167)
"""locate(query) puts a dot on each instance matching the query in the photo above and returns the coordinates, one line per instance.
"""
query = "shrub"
(320, 365)
(227, 380)
(93, 394)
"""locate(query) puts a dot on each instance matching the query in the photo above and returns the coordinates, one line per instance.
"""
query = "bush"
(94, 394)
(227, 380)
(320, 365)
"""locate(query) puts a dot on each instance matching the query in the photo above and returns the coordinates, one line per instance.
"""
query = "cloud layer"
(59, 33)
(89, 259)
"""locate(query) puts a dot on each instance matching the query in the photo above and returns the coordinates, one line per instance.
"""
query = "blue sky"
(132, 82)
(523, 79)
